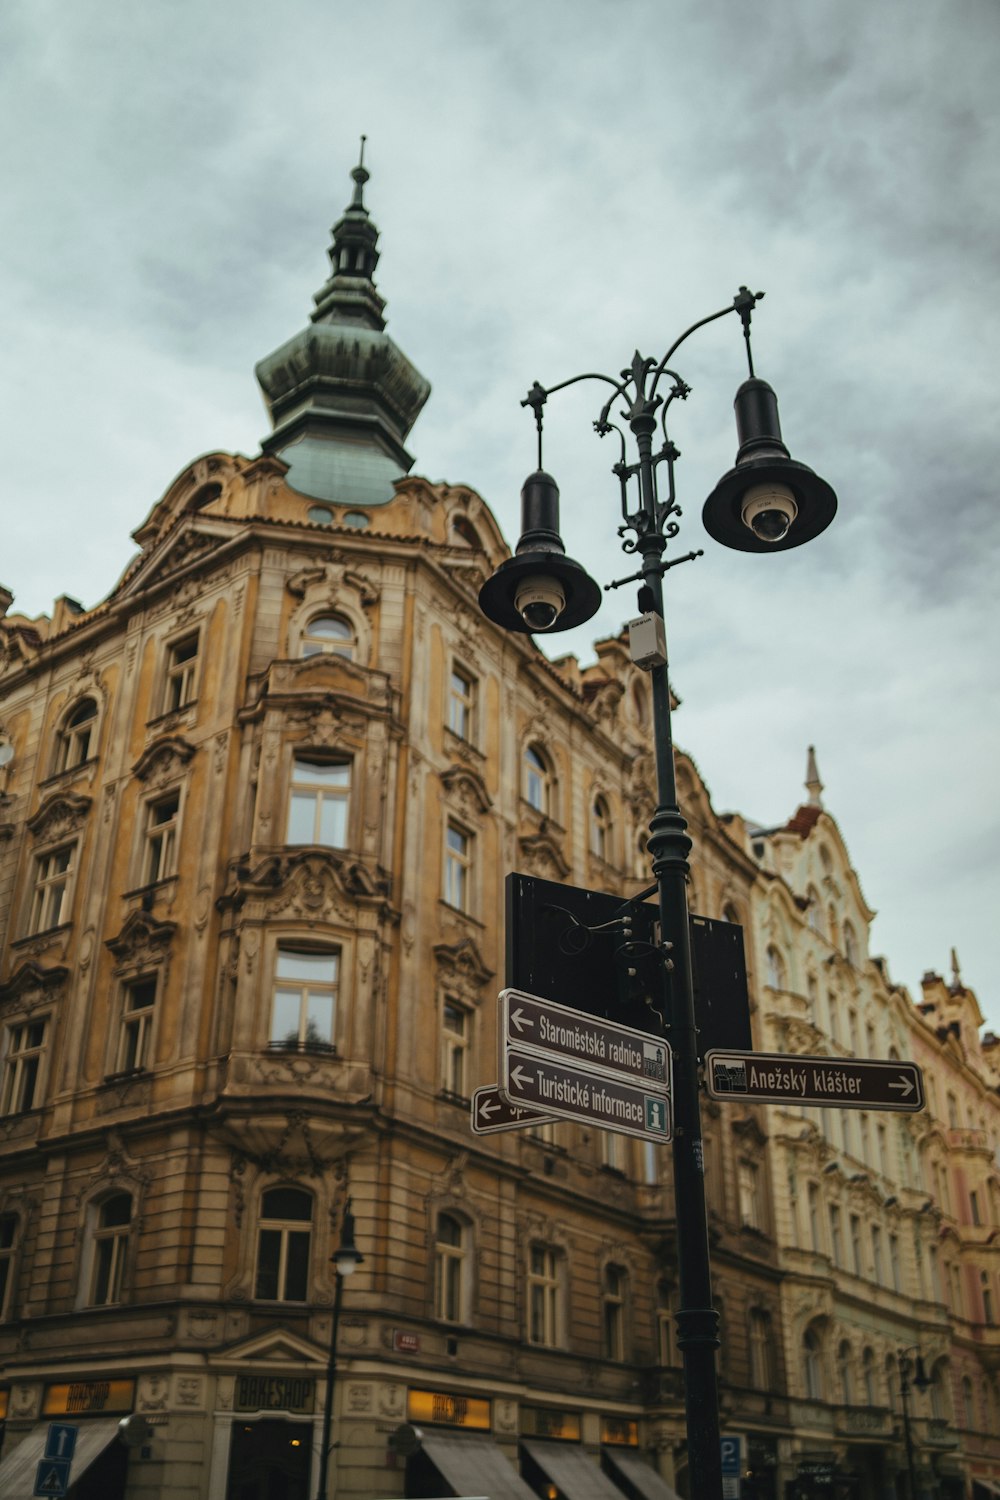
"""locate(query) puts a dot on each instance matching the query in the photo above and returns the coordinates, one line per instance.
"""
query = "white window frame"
(76, 736)
(285, 1228)
(458, 866)
(52, 889)
(135, 1025)
(544, 1284)
(180, 672)
(110, 1247)
(761, 1339)
(463, 696)
(614, 1300)
(339, 641)
(160, 839)
(748, 1187)
(455, 1047)
(24, 1065)
(451, 1269)
(600, 828)
(332, 791)
(323, 987)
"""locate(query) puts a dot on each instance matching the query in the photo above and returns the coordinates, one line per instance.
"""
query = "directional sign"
(492, 1111)
(576, 1093)
(824, 1082)
(52, 1477)
(60, 1440)
(584, 1040)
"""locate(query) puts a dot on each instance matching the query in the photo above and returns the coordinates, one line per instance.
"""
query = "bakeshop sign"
(275, 1393)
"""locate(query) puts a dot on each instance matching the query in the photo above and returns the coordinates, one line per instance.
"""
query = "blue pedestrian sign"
(52, 1477)
(731, 1446)
(60, 1440)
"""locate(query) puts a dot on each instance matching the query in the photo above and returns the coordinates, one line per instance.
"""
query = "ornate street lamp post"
(920, 1381)
(345, 1259)
(766, 503)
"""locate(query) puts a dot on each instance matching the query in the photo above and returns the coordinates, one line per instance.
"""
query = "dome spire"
(813, 784)
(349, 296)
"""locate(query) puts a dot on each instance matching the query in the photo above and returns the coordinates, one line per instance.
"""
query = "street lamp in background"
(921, 1381)
(766, 503)
(345, 1259)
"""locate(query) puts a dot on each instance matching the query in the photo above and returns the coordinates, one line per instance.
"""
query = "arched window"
(111, 1231)
(775, 968)
(283, 1240)
(815, 910)
(968, 1406)
(987, 1294)
(868, 1376)
(328, 635)
(75, 741)
(613, 1307)
(761, 1346)
(450, 1269)
(812, 1364)
(844, 1373)
(730, 914)
(600, 829)
(537, 780)
(466, 532)
(939, 1385)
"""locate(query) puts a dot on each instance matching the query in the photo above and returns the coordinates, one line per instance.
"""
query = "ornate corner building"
(256, 810)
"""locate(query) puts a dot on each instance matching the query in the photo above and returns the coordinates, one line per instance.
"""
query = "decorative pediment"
(142, 941)
(18, 648)
(319, 887)
(31, 984)
(461, 967)
(327, 581)
(543, 857)
(748, 1128)
(466, 790)
(280, 1348)
(61, 813)
(164, 758)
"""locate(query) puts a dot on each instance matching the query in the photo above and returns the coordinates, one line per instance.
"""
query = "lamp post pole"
(346, 1260)
(921, 1382)
(767, 502)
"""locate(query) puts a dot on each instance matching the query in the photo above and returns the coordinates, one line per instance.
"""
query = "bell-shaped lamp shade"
(767, 502)
(539, 588)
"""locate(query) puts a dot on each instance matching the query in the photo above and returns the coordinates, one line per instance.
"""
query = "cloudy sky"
(557, 184)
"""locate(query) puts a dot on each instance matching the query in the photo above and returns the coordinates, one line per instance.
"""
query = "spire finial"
(813, 784)
(360, 175)
(956, 973)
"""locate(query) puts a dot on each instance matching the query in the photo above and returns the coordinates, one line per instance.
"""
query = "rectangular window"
(8, 1231)
(24, 1055)
(454, 1048)
(612, 1153)
(110, 1250)
(319, 803)
(457, 867)
(543, 1296)
(836, 1243)
(461, 704)
(813, 1204)
(749, 1194)
(877, 1252)
(614, 1313)
(305, 999)
(856, 1243)
(650, 1165)
(160, 854)
(181, 674)
(894, 1268)
(53, 889)
(974, 1208)
(138, 1000)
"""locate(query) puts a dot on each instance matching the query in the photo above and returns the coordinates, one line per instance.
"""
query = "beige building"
(887, 1223)
(256, 811)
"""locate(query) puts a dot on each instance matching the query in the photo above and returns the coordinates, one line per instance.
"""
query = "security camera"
(540, 601)
(769, 510)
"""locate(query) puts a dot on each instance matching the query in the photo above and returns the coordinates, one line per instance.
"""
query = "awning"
(18, 1469)
(473, 1466)
(987, 1486)
(572, 1470)
(639, 1476)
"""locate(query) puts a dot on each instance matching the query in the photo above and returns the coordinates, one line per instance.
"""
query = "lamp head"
(921, 1379)
(347, 1257)
(539, 588)
(767, 502)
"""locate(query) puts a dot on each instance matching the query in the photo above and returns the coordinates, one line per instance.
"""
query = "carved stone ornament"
(143, 941)
(31, 985)
(466, 790)
(461, 969)
(313, 889)
(164, 758)
(60, 814)
(543, 857)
